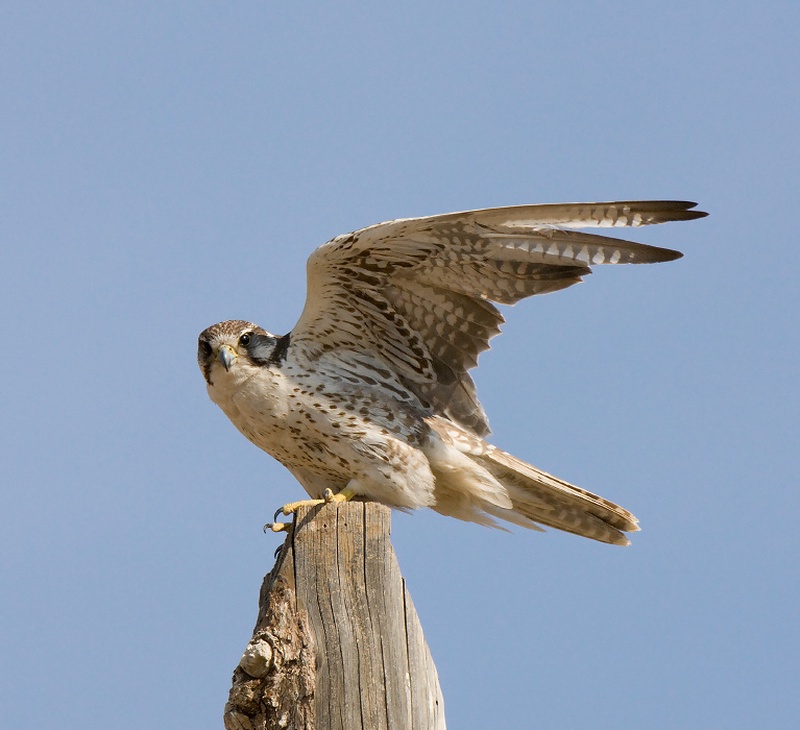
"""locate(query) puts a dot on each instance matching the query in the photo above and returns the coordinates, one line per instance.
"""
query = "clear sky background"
(164, 166)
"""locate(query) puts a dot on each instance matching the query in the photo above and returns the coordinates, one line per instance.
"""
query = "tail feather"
(536, 497)
(568, 507)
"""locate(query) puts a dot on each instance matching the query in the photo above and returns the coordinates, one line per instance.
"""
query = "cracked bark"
(337, 644)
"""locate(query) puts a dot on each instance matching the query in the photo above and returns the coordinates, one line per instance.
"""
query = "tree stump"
(337, 644)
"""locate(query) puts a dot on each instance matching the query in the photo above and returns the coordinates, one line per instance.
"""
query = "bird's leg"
(343, 495)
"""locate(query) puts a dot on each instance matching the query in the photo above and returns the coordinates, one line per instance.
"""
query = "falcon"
(370, 397)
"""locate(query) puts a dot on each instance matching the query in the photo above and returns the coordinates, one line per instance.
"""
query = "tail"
(548, 500)
(482, 482)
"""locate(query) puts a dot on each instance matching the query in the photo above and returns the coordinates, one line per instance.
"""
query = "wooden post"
(337, 644)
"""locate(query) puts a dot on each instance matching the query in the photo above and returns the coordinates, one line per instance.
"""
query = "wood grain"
(337, 644)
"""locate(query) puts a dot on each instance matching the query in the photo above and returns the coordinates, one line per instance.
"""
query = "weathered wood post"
(337, 644)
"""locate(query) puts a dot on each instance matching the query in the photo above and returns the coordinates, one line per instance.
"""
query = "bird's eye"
(244, 340)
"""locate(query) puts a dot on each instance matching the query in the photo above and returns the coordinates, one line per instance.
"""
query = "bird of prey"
(369, 395)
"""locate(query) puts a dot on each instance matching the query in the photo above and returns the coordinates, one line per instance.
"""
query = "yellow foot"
(345, 495)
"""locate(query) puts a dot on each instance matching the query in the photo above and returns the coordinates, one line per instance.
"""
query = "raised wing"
(414, 295)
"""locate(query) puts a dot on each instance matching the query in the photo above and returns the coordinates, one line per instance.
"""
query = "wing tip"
(670, 255)
(687, 212)
(663, 211)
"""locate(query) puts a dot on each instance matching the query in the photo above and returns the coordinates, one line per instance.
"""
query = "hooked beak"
(226, 356)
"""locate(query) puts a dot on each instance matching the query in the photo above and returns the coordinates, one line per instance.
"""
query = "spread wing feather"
(416, 294)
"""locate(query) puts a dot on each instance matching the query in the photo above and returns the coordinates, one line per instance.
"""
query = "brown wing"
(415, 295)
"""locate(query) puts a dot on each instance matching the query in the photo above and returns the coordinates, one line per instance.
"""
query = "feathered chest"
(260, 405)
(294, 414)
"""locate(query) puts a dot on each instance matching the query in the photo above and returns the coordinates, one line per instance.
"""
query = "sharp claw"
(278, 511)
(328, 495)
(276, 526)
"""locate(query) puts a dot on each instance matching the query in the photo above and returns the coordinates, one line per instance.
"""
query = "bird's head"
(234, 350)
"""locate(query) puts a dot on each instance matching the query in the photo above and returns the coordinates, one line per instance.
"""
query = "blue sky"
(169, 165)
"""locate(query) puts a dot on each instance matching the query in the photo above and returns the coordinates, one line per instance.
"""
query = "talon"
(328, 496)
(292, 507)
(277, 526)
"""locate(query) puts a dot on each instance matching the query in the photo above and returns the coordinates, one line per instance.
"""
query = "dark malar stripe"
(281, 349)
